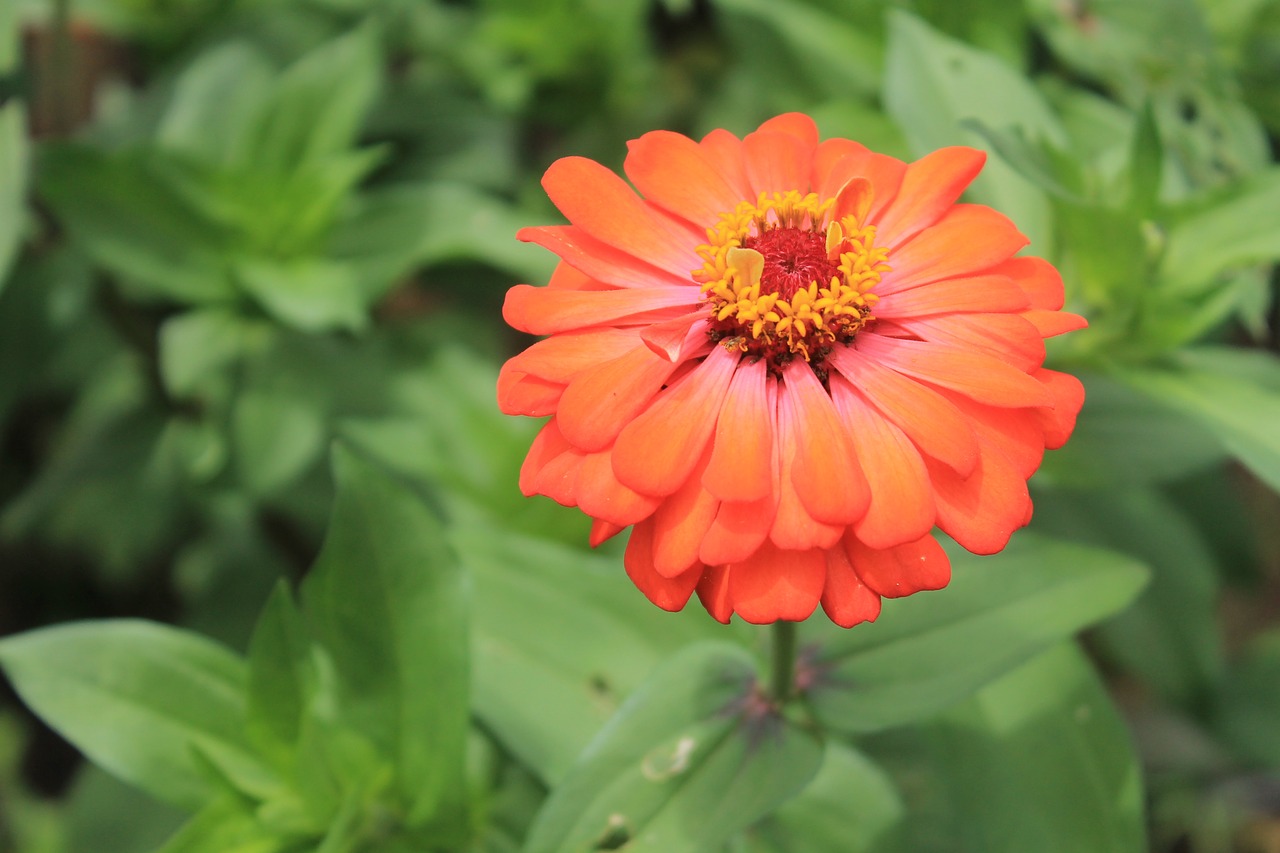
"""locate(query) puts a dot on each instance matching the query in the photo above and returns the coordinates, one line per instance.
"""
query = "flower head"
(783, 362)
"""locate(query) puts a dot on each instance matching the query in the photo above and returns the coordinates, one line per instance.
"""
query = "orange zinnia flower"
(784, 362)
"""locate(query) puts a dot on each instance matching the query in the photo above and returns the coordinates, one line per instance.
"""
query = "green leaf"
(851, 806)
(1169, 636)
(197, 344)
(693, 757)
(141, 700)
(308, 294)
(279, 671)
(225, 826)
(1249, 702)
(133, 221)
(928, 652)
(389, 603)
(1039, 760)
(1224, 396)
(1234, 231)
(217, 101)
(561, 636)
(13, 151)
(277, 437)
(319, 103)
(932, 84)
(1146, 159)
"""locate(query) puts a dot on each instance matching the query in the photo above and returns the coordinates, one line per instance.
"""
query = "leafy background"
(262, 558)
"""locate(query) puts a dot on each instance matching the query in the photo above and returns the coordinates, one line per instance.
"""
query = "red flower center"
(793, 258)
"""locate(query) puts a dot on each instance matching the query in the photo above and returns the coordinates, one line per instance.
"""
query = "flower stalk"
(782, 676)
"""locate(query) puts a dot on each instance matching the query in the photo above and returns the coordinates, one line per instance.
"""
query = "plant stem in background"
(784, 660)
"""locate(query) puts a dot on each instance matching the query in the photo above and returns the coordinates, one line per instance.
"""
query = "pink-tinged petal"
(826, 473)
(668, 593)
(741, 466)
(775, 583)
(542, 311)
(560, 358)
(777, 162)
(599, 402)
(1015, 433)
(597, 261)
(1068, 396)
(981, 377)
(982, 511)
(1038, 278)
(846, 600)
(738, 531)
(901, 508)
(1052, 323)
(547, 445)
(600, 203)
(657, 451)
(930, 187)
(522, 394)
(977, 294)
(602, 531)
(925, 416)
(799, 125)
(680, 523)
(793, 526)
(675, 173)
(969, 239)
(679, 338)
(726, 151)
(713, 592)
(601, 495)
(1008, 337)
(906, 569)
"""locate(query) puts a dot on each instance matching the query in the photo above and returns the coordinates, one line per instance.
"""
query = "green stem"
(784, 660)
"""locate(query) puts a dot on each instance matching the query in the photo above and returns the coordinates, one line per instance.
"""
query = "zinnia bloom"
(783, 362)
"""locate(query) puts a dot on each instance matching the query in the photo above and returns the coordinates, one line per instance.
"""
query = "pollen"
(784, 277)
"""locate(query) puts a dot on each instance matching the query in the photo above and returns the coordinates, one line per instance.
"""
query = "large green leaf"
(1249, 702)
(13, 149)
(933, 84)
(1230, 394)
(279, 677)
(693, 757)
(148, 702)
(1235, 230)
(928, 652)
(389, 603)
(561, 637)
(1039, 760)
(851, 806)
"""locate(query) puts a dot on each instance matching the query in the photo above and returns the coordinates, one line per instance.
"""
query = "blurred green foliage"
(252, 255)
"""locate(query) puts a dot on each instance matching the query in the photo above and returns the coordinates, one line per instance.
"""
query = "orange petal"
(713, 592)
(679, 338)
(1008, 337)
(668, 593)
(969, 239)
(901, 508)
(726, 151)
(988, 293)
(1038, 278)
(973, 374)
(675, 173)
(1051, 323)
(826, 473)
(558, 478)
(741, 466)
(548, 444)
(599, 202)
(657, 451)
(599, 261)
(906, 569)
(884, 172)
(793, 527)
(680, 523)
(776, 162)
(602, 531)
(776, 583)
(1016, 433)
(1068, 396)
(737, 531)
(845, 598)
(600, 495)
(599, 402)
(930, 187)
(543, 311)
(982, 511)
(799, 125)
(560, 358)
(927, 418)
(522, 394)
